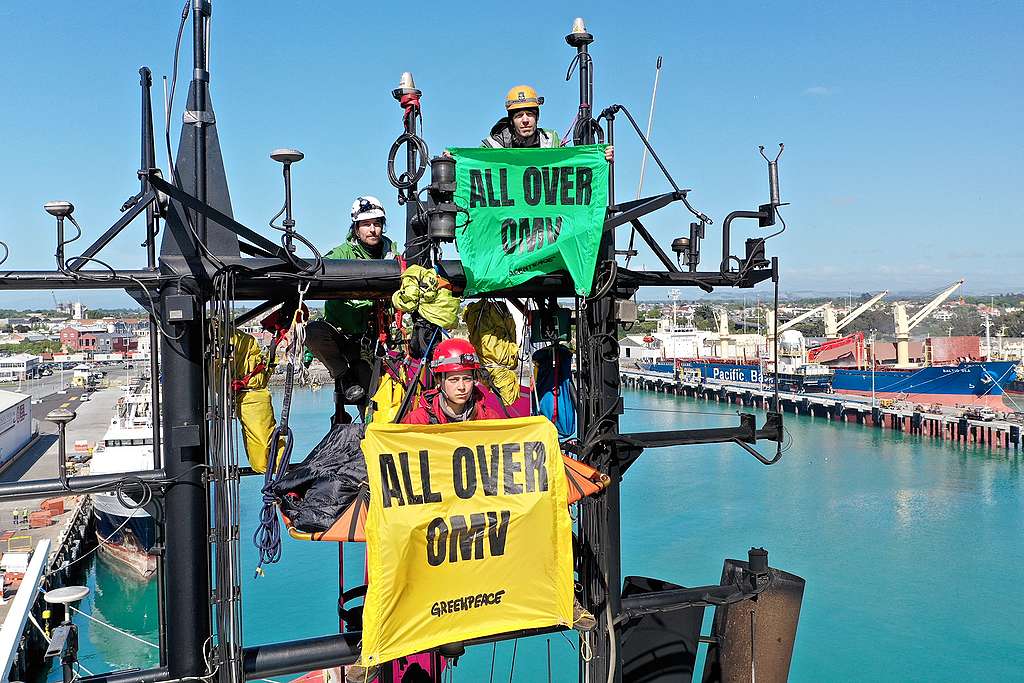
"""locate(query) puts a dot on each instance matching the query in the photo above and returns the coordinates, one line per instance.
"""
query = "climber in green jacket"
(344, 340)
(366, 240)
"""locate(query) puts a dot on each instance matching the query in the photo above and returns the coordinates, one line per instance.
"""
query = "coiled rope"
(267, 537)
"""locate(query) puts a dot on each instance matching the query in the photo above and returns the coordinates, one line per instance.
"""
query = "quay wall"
(837, 408)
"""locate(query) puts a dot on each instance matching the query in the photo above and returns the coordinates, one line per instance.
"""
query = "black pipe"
(200, 80)
(243, 318)
(59, 254)
(726, 225)
(690, 437)
(645, 603)
(599, 518)
(186, 553)
(611, 164)
(278, 659)
(93, 483)
(52, 279)
(352, 278)
(655, 247)
(144, 204)
(415, 229)
(324, 652)
(632, 210)
(148, 162)
(705, 280)
(156, 675)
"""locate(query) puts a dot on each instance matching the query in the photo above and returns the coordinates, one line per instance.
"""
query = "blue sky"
(901, 120)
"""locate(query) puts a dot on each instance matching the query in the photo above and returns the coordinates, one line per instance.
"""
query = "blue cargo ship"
(969, 382)
(966, 382)
(809, 378)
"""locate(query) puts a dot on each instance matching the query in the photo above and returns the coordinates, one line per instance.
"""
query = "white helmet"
(365, 208)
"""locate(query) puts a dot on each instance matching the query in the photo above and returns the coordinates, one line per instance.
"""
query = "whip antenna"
(650, 122)
(643, 159)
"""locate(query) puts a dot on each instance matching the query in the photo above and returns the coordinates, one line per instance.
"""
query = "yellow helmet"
(522, 97)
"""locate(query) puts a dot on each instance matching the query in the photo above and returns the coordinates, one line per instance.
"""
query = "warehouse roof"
(10, 398)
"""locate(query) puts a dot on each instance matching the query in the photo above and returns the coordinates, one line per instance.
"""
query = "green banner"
(534, 211)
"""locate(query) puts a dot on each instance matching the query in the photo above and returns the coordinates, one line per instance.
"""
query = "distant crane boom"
(932, 305)
(770, 319)
(857, 312)
(722, 318)
(905, 324)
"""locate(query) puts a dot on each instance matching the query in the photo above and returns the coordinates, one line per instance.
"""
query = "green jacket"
(354, 316)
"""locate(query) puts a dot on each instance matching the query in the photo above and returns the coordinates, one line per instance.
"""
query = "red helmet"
(454, 355)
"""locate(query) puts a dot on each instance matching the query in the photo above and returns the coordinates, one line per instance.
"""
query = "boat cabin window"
(128, 442)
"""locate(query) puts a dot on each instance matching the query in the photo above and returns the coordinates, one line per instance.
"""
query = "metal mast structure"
(207, 259)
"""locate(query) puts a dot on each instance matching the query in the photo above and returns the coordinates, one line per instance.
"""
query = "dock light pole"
(61, 417)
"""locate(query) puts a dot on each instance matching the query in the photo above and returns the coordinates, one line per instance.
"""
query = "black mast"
(599, 416)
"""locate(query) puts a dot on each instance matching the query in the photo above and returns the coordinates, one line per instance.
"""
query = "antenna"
(650, 122)
(62, 209)
(286, 157)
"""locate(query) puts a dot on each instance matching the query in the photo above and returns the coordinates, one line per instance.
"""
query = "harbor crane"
(833, 328)
(769, 318)
(904, 324)
(722, 318)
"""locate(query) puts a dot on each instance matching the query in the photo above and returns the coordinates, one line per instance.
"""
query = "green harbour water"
(912, 549)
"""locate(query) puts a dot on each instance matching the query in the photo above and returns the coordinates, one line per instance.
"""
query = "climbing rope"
(113, 628)
(267, 537)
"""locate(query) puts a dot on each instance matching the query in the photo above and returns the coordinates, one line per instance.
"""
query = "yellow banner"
(468, 533)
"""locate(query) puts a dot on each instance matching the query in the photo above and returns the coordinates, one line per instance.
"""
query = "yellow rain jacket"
(492, 330)
(253, 404)
(386, 400)
(422, 290)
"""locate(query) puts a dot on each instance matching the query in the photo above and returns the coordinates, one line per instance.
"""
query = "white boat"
(126, 533)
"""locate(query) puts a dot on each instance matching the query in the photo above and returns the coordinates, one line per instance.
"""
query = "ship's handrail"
(21, 606)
